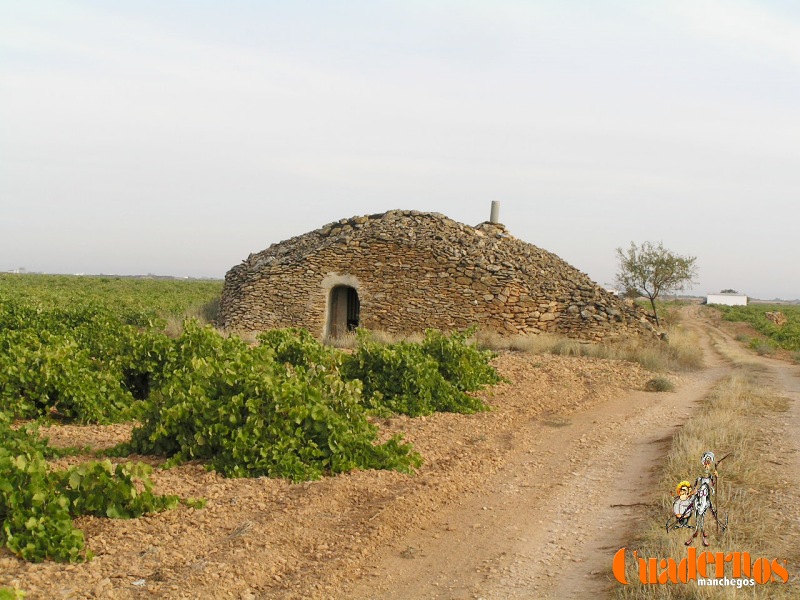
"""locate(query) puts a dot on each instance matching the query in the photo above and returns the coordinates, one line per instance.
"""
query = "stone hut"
(405, 271)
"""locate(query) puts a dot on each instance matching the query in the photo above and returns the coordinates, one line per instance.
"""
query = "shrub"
(406, 378)
(52, 375)
(299, 348)
(659, 384)
(460, 362)
(37, 505)
(763, 347)
(83, 364)
(249, 415)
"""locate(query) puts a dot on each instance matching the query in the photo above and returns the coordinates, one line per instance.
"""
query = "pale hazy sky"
(176, 137)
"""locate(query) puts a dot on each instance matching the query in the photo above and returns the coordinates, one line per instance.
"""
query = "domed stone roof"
(405, 271)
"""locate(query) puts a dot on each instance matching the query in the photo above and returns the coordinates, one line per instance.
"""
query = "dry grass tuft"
(763, 349)
(174, 326)
(680, 352)
(205, 313)
(248, 337)
(684, 349)
(659, 384)
(556, 421)
(385, 337)
(490, 340)
(348, 341)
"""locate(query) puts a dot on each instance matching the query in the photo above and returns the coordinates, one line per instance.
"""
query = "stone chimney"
(494, 216)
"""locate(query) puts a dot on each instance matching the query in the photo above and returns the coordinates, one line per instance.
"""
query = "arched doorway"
(343, 310)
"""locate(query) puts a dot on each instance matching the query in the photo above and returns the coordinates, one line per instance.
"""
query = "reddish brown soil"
(519, 502)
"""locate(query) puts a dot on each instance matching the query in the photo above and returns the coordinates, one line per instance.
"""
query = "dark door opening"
(343, 310)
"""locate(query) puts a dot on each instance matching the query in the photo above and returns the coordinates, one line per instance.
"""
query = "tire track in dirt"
(544, 525)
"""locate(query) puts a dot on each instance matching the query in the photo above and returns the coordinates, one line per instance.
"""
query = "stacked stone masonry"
(414, 270)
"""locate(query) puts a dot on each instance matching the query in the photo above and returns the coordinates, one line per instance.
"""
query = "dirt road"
(548, 523)
(528, 500)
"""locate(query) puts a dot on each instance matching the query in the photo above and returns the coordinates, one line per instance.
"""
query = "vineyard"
(98, 350)
(785, 335)
(132, 298)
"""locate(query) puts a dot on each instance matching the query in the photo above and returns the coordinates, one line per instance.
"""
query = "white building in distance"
(727, 299)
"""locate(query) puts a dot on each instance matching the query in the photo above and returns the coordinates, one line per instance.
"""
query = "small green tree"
(652, 270)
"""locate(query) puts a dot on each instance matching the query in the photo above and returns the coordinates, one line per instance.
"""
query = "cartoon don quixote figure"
(697, 500)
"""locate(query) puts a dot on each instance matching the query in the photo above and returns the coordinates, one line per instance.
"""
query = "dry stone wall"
(415, 270)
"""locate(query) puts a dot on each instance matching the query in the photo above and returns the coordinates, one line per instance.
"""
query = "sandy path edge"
(544, 526)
